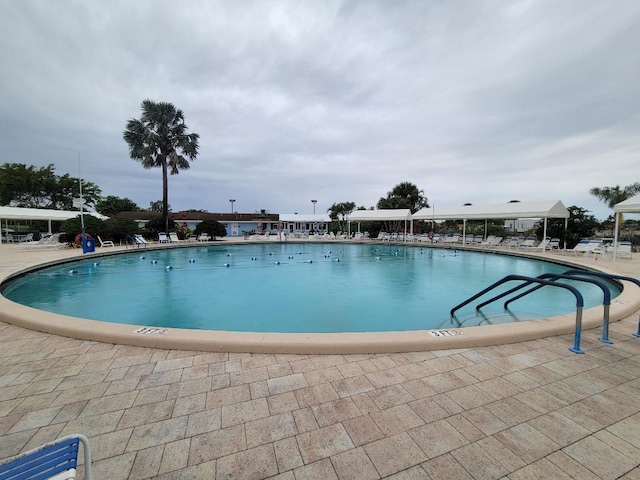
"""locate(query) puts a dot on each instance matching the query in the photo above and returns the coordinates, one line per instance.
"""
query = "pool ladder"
(549, 279)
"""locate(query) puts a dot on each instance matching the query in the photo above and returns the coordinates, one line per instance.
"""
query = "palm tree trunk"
(165, 196)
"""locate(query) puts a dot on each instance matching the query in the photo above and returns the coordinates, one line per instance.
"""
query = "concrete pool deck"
(523, 410)
(290, 343)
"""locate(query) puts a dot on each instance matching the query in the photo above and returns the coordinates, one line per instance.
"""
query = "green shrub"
(156, 225)
(114, 228)
(72, 227)
(212, 227)
(118, 229)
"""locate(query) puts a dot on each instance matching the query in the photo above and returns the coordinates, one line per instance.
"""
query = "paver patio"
(520, 411)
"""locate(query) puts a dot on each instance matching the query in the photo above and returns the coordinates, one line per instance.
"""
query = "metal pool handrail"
(555, 276)
(611, 276)
(579, 301)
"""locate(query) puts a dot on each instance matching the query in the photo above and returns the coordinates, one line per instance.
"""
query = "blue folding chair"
(54, 460)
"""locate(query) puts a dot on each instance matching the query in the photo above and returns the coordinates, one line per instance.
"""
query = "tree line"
(161, 139)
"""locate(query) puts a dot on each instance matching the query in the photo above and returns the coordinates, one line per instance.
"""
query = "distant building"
(303, 223)
(235, 224)
(520, 225)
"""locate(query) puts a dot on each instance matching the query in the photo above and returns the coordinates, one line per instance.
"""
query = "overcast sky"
(472, 101)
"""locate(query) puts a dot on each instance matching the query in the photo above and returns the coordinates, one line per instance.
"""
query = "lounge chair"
(487, 242)
(19, 237)
(595, 247)
(476, 240)
(585, 247)
(544, 245)
(173, 238)
(45, 242)
(204, 237)
(108, 243)
(529, 242)
(162, 237)
(495, 242)
(554, 244)
(513, 242)
(140, 240)
(54, 460)
(623, 250)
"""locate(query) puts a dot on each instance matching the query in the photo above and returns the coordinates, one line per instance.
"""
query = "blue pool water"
(290, 288)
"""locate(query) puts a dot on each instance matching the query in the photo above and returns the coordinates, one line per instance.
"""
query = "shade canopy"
(17, 213)
(380, 215)
(630, 205)
(548, 209)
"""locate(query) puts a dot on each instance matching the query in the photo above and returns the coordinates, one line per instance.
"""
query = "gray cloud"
(476, 102)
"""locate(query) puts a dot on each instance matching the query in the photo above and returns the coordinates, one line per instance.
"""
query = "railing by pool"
(550, 279)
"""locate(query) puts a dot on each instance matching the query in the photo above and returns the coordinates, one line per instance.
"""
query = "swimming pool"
(300, 288)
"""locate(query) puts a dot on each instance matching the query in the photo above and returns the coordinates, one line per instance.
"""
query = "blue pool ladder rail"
(611, 276)
(550, 279)
(553, 277)
(509, 278)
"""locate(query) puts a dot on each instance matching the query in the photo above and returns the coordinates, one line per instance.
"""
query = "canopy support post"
(615, 236)
(464, 231)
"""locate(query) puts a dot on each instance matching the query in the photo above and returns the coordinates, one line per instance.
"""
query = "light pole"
(231, 201)
(314, 205)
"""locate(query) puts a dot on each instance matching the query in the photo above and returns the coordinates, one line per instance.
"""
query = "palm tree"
(404, 195)
(160, 139)
(614, 195)
(340, 211)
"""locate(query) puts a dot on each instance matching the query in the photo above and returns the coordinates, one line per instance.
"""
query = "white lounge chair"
(495, 241)
(108, 243)
(140, 240)
(623, 250)
(585, 247)
(45, 242)
(514, 243)
(173, 238)
(487, 242)
(528, 242)
(544, 245)
(162, 237)
(554, 244)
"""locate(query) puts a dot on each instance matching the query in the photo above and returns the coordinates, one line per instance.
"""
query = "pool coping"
(627, 303)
